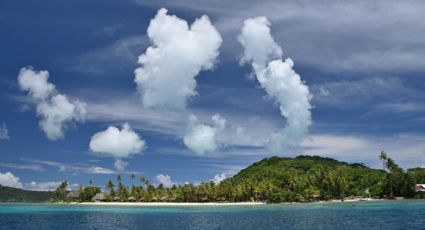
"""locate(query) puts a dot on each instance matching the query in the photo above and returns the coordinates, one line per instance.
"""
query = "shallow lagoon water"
(407, 214)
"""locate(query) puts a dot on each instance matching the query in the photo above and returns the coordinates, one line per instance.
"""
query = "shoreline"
(159, 204)
(163, 204)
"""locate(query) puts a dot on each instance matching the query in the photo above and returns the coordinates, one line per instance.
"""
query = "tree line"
(272, 180)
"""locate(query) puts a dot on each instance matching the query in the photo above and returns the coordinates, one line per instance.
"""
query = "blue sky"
(363, 64)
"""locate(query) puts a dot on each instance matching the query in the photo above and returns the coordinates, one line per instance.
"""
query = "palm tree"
(111, 187)
(393, 169)
(132, 176)
(383, 157)
(341, 180)
(60, 191)
(142, 180)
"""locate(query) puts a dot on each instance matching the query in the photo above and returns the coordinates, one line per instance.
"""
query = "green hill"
(302, 178)
(8, 194)
(278, 168)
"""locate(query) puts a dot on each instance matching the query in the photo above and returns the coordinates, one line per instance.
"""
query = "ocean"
(405, 214)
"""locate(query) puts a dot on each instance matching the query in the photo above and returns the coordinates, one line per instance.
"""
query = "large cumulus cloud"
(10, 180)
(178, 53)
(278, 79)
(56, 111)
(117, 143)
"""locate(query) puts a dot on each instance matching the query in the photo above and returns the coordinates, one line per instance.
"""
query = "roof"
(99, 196)
(420, 188)
(73, 194)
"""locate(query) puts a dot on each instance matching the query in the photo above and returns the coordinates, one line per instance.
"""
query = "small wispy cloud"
(4, 132)
(121, 54)
(32, 167)
(76, 169)
(407, 149)
(108, 30)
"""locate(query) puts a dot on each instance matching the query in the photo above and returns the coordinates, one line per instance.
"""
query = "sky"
(194, 91)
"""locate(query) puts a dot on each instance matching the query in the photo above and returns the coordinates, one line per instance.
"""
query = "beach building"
(204, 199)
(99, 197)
(73, 196)
(420, 188)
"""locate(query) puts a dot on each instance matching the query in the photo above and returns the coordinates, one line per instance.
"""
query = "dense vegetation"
(8, 194)
(275, 179)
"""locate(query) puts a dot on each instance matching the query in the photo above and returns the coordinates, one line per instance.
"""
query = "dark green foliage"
(87, 193)
(309, 178)
(8, 194)
(417, 175)
(60, 192)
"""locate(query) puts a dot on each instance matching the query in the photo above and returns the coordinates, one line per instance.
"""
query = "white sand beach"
(355, 200)
(141, 204)
(159, 204)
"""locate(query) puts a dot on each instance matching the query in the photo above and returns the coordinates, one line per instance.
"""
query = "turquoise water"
(359, 215)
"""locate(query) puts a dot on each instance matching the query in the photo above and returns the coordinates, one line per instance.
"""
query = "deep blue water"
(360, 215)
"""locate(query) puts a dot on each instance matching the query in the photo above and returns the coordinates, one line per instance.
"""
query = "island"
(272, 180)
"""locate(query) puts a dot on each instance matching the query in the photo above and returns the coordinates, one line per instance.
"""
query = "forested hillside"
(8, 194)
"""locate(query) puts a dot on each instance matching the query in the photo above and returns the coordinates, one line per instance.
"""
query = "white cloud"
(32, 167)
(219, 178)
(316, 34)
(36, 83)
(57, 112)
(75, 169)
(164, 121)
(165, 180)
(201, 138)
(43, 186)
(179, 52)
(173, 123)
(340, 93)
(259, 45)
(408, 150)
(278, 79)
(120, 165)
(108, 30)
(117, 143)
(323, 92)
(48, 185)
(114, 58)
(4, 132)
(10, 180)
(99, 170)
